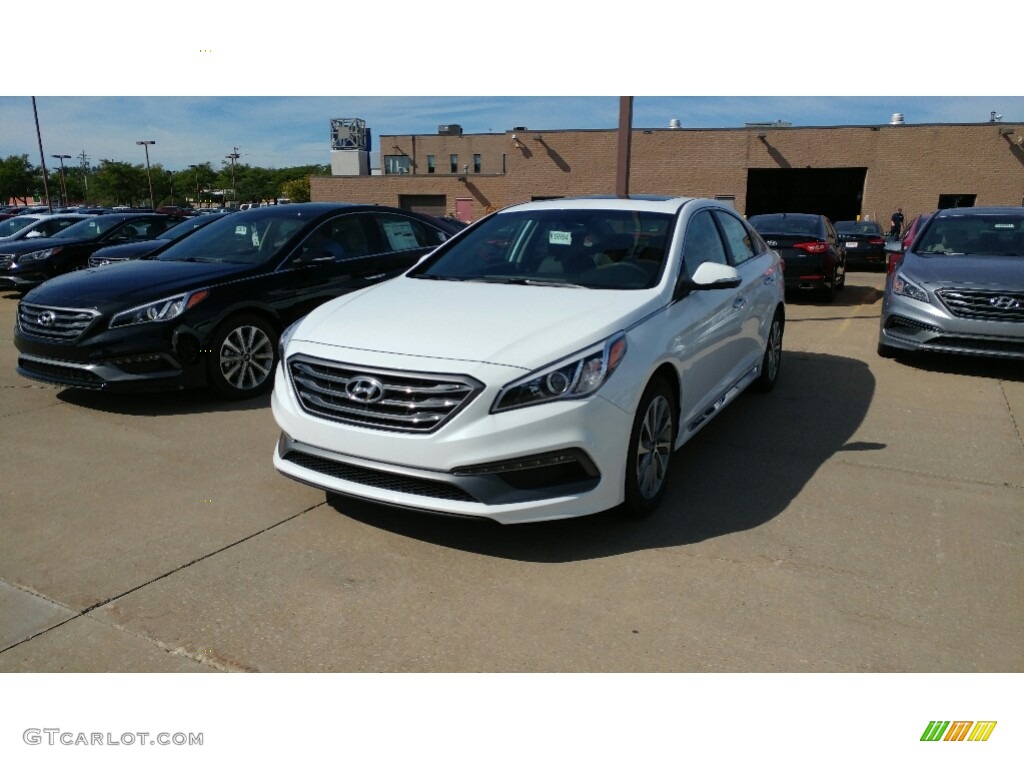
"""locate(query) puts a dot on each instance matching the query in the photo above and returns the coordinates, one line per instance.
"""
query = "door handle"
(739, 302)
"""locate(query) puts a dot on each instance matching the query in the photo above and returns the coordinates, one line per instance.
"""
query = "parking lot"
(864, 517)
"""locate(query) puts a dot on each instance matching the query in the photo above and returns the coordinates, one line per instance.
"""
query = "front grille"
(973, 343)
(5, 260)
(63, 374)
(375, 478)
(897, 322)
(57, 323)
(400, 401)
(1003, 306)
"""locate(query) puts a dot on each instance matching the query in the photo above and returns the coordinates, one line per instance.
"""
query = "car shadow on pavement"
(170, 403)
(965, 365)
(739, 472)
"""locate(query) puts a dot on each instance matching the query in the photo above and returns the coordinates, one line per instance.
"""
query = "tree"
(18, 178)
(116, 183)
(296, 190)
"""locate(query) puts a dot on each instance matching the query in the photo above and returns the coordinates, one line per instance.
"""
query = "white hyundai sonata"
(543, 364)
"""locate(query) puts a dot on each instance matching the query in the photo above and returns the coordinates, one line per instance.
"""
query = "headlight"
(903, 287)
(286, 336)
(37, 255)
(159, 311)
(578, 376)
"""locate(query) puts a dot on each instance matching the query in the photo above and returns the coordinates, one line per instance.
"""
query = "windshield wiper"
(509, 280)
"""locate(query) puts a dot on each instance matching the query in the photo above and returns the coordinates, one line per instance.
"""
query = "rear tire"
(828, 290)
(651, 444)
(772, 360)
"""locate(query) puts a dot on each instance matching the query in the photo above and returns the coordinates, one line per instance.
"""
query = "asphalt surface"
(867, 516)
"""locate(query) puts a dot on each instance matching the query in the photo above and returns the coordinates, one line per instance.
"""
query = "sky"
(284, 131)
(203, 83)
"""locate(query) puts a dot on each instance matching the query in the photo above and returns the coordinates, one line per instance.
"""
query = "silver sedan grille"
(1001, 306)
(400, 401)
(58, 323)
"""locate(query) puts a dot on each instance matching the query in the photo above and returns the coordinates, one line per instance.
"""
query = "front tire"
(242, 358)
(651, 443)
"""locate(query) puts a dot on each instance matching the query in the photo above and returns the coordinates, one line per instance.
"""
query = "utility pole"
(232, 157)
(145, 145)
(85, 174)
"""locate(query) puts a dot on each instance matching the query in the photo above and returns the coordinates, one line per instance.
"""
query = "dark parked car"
(210, 308)
(27, 263)
(29, 225)
(814, 256)
(864, 241)
(959, 287)
(146, 248)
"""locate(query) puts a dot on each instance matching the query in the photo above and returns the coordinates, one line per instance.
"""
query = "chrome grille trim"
(6, 260)
(99, 261)
(68, 324)
(412, 401)
(1002, 306)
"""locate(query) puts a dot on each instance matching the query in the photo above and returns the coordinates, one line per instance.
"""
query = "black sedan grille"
(5, 260)
(99, 261)
(56, 323)
(399, 401)
(1001, 306)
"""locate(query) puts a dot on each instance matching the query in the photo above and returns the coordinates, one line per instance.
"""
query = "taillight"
(894, 260)
(812, 247)
(876, 240)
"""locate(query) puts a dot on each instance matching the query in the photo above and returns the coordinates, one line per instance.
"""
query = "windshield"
(858, 228)
(89, 229)
(249, 238)
(15, 224)
(783, 224)
(615, 249)
(999, 234)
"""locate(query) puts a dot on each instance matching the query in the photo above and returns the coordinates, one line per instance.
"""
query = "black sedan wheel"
(242, 357)
(650, 450)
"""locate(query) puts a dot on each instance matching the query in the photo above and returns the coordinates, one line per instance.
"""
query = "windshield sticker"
(1003, 226)
(400, 235)
(559, 238)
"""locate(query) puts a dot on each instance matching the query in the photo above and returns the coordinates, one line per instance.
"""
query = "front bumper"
(544, 462)
(914, 326)
(123, 359)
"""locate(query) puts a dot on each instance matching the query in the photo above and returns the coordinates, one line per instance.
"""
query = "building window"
(454, 161)
(430, 163)
(476, 163)
(396, 164)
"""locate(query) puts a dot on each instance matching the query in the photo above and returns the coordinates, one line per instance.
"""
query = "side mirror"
(709, 277)
(894, 246)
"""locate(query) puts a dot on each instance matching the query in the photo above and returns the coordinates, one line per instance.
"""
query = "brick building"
(841, 171)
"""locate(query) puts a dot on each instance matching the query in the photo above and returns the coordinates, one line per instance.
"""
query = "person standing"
(896, 225)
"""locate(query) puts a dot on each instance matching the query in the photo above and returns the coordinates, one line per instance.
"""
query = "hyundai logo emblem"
(47, 318)
(363, 389)
(772, 243)
(1005, 302)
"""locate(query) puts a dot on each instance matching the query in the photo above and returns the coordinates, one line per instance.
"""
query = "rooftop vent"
(896, 119)
(674, 123)
(449, 130)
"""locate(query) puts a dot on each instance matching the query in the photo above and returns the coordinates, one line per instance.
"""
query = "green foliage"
(18, 178)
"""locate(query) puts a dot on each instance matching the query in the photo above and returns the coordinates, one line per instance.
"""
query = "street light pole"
(63, 183)
(42, 157)
(149, 176)
(196, 169)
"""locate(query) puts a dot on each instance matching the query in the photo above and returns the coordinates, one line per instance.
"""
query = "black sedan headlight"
(159, 311)
(45, 253)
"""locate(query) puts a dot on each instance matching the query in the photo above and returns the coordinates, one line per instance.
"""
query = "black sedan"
(814, 256)
(210, 308)
(864, 241)
(144, 248)
(27, 263)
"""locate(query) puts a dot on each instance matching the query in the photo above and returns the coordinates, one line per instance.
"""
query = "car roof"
(655, 203)
(990, 210)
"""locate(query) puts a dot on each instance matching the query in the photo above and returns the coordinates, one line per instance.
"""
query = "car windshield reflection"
(976, 234)
(613, 249)
(233, 241)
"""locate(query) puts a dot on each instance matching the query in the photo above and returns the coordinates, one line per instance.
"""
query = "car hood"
(38, 244)
(515, 325)
(1000, 272)
(129, 283)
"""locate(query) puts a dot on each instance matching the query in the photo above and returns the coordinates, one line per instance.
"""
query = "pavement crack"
(1013, 416)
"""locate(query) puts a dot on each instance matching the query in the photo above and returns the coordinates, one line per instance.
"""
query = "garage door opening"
(432, 205)
(833, 192)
